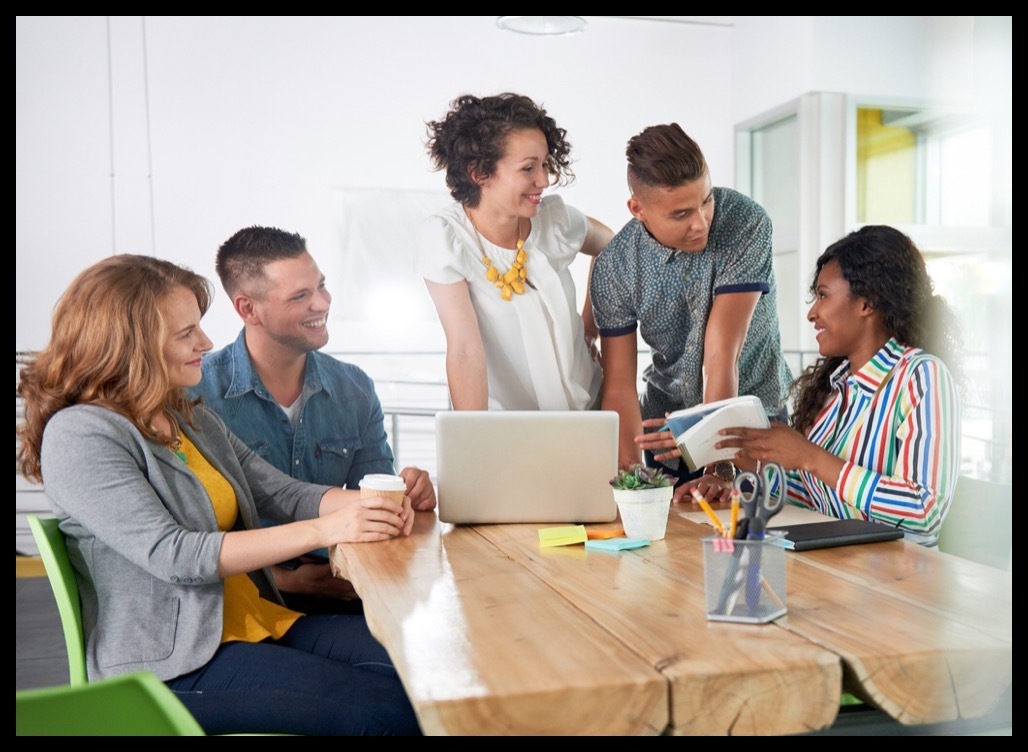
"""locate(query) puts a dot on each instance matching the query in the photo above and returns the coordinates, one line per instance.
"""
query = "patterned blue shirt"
(667, 294)
(339, 435)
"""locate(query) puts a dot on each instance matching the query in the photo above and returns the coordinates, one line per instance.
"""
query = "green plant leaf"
(638, 477)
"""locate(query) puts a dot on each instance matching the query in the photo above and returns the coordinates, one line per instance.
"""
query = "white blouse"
(536, 356)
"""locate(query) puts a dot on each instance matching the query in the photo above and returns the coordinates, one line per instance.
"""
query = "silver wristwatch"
(723, 471)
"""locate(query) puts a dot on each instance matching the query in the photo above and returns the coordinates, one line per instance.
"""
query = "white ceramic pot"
(644, 512)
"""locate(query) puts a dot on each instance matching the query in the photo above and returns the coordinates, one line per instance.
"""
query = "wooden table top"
(494, 634)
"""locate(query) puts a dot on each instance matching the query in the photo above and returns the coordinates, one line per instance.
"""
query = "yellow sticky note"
(565, 535)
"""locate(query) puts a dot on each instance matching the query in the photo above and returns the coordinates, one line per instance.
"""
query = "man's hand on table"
(419, 488)
(313, 577)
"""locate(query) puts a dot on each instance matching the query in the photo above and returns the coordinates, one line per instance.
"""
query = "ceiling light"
(541, 24)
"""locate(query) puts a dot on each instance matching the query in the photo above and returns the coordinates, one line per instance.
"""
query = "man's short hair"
(241, 259)
(663, 156)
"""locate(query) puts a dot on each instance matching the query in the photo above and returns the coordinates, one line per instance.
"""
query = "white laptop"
(526, 466)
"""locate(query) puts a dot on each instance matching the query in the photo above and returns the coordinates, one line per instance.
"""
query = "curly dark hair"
(883, 266)
(472, 136)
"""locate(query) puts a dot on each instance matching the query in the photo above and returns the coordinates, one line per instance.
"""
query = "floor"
(41, 658)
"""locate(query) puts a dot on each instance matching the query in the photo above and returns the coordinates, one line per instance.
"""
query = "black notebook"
(811, 535)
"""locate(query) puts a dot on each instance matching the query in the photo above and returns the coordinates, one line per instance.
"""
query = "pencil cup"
(744, 580)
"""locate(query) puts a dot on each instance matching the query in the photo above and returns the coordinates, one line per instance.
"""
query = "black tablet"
(829, 533)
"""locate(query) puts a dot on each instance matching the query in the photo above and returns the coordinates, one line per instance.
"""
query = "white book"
(695, 429)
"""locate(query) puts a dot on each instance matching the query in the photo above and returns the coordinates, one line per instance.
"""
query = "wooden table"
(493, 634)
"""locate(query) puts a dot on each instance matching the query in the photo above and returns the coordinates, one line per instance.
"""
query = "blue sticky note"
(617, 544)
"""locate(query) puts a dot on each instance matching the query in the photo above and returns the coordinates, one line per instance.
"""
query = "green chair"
(137, 704)
(54, 553)
(50, 541)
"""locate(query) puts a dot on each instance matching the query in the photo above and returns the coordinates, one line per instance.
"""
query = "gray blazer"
(143, 539)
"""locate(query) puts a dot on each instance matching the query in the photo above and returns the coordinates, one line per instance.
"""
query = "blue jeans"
(327, 676)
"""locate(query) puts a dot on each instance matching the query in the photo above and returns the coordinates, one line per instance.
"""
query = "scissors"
(759, 502)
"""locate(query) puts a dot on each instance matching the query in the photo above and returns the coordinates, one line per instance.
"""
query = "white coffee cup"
(379, 484)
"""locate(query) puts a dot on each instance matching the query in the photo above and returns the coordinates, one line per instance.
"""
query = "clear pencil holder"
(744, 580)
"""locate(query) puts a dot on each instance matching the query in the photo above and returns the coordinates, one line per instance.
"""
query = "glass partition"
(922, 166)
(827, 163)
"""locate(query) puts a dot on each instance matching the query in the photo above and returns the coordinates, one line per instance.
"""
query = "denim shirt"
(339, 435)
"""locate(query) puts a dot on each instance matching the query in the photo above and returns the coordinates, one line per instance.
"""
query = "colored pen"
(709, 510)
(735, 513)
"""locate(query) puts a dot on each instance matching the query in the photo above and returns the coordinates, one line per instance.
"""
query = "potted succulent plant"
(643, 495)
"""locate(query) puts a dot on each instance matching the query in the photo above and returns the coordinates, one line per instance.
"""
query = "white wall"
(779, 58)
(164, 135)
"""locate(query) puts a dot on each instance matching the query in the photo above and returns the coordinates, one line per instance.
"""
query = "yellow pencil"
(735, 513)
(710, 511)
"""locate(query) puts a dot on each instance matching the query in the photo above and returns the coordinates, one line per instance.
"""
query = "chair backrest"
(52, 550)
(136, 704)
(978, 525)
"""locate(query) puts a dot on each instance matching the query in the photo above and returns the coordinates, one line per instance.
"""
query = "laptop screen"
(526, 466)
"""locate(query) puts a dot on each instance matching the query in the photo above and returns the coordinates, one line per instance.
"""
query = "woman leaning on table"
(876, 428)
(496, 262)
(160, 507)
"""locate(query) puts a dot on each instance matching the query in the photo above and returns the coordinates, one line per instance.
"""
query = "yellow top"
(248, 617)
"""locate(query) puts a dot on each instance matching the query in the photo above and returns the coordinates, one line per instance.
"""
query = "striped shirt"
(896, 425)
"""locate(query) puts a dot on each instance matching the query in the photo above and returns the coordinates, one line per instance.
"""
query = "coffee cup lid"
(383, 482)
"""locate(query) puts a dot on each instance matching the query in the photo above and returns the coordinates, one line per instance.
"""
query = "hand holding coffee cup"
(390, 487)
